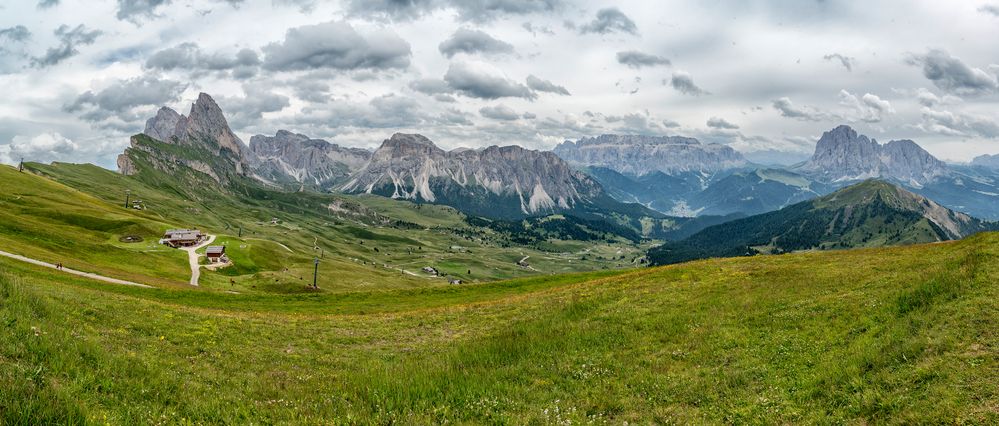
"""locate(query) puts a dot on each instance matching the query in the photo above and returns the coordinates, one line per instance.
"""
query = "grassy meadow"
(902, 335)
(364, 242)
(798, 338)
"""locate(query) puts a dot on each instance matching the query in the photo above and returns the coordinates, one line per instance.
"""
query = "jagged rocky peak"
(990, 161)
(289, 157)
(164, 125)
(842, 154)
(205, 128)
(494, 181)
(409, 144)
(640, 155)
(204, 123)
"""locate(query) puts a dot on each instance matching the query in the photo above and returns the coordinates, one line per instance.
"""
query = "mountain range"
(872, 213)
(658, 187)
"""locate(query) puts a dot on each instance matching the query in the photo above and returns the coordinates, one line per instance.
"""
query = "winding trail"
(192, 258)
(272, 241)
(72, 271)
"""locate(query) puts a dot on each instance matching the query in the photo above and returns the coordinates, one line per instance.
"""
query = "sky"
(765, 77)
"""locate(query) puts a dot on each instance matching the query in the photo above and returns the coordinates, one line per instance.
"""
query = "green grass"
(905, 335)
(368, 241)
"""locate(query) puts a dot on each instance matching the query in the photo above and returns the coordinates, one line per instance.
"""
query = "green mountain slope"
(869, 214)
(904, 335)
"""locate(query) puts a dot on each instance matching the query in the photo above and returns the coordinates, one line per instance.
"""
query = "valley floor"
(901, 335)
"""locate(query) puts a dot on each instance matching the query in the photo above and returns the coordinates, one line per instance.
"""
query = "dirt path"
(72, 271)
(192, 258)
(275, 242)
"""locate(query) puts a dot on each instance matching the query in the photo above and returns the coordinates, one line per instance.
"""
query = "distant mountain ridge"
(873, 213)
(410, 166)
(842, 154)
(989, 161)
(640, 155)
(289, 158)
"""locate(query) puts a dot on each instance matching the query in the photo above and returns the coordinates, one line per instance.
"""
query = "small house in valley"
(216, 254)
(182, 237)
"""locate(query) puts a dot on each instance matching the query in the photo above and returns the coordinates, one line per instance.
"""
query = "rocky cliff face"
(503, 181)
(843, 155)
(204, 143)
(990, 161)
(287, 157)
(205, 125)
(641, 155)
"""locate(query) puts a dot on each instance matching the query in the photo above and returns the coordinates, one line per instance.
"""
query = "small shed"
(216, 254)
(455, 281)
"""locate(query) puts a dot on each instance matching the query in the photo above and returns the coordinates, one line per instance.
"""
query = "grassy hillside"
(366, 242)
(900, 335)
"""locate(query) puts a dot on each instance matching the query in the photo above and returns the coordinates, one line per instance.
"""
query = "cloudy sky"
(767, 77)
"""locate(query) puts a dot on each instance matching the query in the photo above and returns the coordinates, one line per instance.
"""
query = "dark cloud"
(990, 9)
(246, 110)
(635, 123)
(477, 81)
(383, 112)
(473, 41)
(487, 10)
(311, 87)
(636, 59)
(684, 83)
(951, 75)
(17, 33)
(846, 61)
(468, 10)
(69, 39)
(610, 20)
(721, 123)
(45, 4)
(956, 124)
(121, 99)
(336, 45)
(542, 85)
(535, 30)
(499, 112)
(453, 117)
(670, 124)
(134, 10)
(190, 57)
(787, 109)
(430, 86)
(529, 116)
(445, 98)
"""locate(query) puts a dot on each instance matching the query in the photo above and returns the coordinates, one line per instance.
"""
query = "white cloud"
(384, 55)
(46, 147)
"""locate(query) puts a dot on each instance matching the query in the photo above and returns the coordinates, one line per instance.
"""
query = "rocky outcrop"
(164, 125)
(640, 155)
(287, 157)
(204, 126)
(842, 154)
(489, 180)
(989, 161)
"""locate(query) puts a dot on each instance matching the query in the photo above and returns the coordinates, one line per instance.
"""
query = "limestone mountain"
(201, 141)
(289, 158)
(988, 161)
(638, 155)
(843, 155)
(873, 213)
(507, 181)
